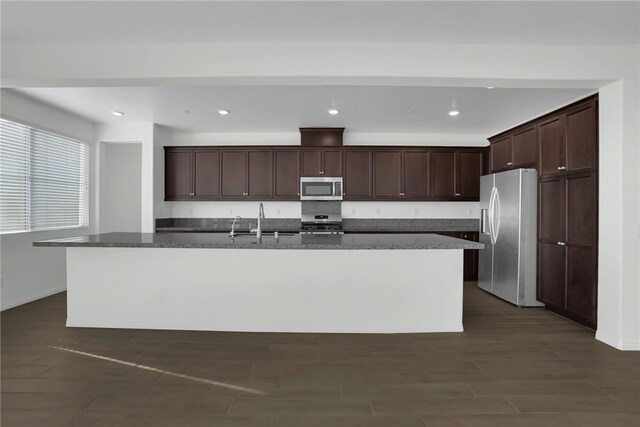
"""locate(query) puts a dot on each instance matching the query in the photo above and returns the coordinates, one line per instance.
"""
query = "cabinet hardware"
(561, 168)
(402, 194)
(562, 243)
(457, 194)
(509, 163)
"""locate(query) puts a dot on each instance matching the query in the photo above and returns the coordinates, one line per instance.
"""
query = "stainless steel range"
(321, 224)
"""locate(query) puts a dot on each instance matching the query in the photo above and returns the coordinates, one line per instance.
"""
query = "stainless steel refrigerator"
(508, 225)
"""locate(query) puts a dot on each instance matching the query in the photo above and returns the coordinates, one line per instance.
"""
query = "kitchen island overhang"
(355, 283)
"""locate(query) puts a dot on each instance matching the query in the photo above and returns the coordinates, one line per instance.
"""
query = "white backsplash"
(292, 209)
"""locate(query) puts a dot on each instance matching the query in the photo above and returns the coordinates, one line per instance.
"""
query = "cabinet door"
(331, 162)
(357, 175)
(259, 164)
(442, 175)
(581, 283)
(233, 167)
(206, 182)
(582, 150)
(525, 147)
(415, 174)
(552, 216)
(468, 167)
(552, 146)
(501, 154)
(470, 256)
(581, 202)
(551, 274)
(311, 162)
(286, 166)
(387, 165)
(178, 175)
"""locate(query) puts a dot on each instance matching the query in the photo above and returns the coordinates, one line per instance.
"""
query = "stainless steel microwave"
(325, 188)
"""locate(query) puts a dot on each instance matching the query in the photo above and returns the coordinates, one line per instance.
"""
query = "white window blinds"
(44, 179)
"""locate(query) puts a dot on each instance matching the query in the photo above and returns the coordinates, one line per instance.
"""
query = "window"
(44, 180)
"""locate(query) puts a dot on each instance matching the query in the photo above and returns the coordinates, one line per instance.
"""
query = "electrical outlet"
(416, 211)
(378, 211)
(230, 211)
(353, 211)
(470, 212)
(190, 211)
(278, 212)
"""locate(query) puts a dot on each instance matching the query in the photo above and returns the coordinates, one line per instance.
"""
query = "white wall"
(120, 187)
(584, 66)
(29, 273)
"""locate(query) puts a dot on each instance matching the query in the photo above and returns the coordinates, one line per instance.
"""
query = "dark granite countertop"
(286, 241)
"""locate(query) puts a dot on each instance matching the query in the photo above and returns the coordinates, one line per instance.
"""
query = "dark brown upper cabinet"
(468, 171)
(387, 174)
(568, 141)
(191, 174)
(443, 185)
(246, 174)
(401, 174)
(357, 174)
(501, 154)
(582, 137)
(286, 167)
(552, 146)
(370, 173)
(525, 147)
(415, 174)
(178, 175)
(321, 162)
(455, 175)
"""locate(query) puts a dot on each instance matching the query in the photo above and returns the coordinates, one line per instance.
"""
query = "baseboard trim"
(190, 326)
(33, 297)
(625, 345)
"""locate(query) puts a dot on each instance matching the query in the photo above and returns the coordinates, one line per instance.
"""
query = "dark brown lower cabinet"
(567, 245)
(551, 273)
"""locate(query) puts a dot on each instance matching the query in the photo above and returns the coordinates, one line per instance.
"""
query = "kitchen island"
(362, 283)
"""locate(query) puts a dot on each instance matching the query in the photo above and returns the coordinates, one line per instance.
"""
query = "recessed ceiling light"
(117, 113)
(489, 87)
(223, 112)
(454, 112)
(332, 111)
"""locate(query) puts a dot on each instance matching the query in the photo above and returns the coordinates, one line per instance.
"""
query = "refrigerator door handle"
(496, 216)
(491, 221)
(483, 221)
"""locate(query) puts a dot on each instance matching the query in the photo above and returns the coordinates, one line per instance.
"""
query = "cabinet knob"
(562, 244)
(561, 168)
(509, 163)
(402, 194)
(457, 194)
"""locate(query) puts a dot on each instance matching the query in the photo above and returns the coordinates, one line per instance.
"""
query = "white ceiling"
(285, 108)
(452, 22)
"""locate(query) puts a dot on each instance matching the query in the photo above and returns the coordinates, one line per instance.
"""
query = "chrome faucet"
(233, 227)
(258, 230)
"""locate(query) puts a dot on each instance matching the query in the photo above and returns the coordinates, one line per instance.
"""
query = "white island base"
(265, 290)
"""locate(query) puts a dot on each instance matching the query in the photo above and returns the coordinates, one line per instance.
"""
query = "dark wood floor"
(511, 367)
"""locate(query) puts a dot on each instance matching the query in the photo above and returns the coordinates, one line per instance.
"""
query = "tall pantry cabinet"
(567, 164)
